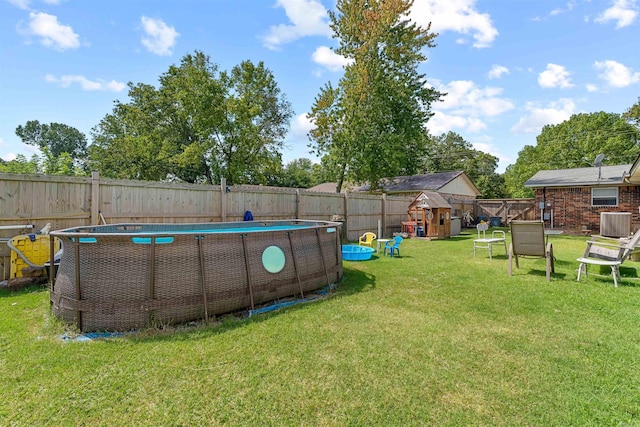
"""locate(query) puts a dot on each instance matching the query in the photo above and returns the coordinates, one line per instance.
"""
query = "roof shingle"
(431, 181)
(605, 175)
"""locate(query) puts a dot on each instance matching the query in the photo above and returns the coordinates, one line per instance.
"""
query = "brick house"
(572, 199)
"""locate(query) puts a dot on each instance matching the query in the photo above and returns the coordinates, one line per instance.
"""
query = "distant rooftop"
(604, 175)
(430, 181)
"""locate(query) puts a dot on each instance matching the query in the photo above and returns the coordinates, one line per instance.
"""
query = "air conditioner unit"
(615, 224)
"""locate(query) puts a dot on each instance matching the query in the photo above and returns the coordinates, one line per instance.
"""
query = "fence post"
(384, 216)
(346, 215)
(297, 203)
(95, 198)
(223, 200)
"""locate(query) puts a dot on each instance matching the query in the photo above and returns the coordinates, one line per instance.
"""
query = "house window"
(604, 196)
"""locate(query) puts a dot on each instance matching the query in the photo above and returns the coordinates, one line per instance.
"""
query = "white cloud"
(485, 144)
(497, 71)
(539, 116)
(463, 97)
(22, 4)
(616, 74)
(306, 17)
(559, 10)
(555, 76)
(86, 84)
(465, 106)
(591, 87)
(624, 12)
(300, 126)
(310, 18)
(442, 122)
(160, 38)
(329, 59)
(51, 32)
(460, 16)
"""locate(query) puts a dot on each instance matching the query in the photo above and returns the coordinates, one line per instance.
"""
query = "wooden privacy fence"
(505, 209)
(76, 201)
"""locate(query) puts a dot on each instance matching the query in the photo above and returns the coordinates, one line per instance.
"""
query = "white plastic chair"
(497, 236)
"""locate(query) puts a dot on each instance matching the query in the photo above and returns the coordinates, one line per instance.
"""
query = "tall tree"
(200, 125)
(57, 138)
(298, 173)
(128, 143)
(371, 125)
(20, 165)
(575, 143)
(450, 151)
(632, 115)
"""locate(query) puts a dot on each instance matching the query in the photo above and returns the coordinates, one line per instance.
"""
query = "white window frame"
(601, 194)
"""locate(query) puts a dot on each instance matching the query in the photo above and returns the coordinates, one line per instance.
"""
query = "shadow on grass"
(5, 292)
(542, 273)
(354, 281)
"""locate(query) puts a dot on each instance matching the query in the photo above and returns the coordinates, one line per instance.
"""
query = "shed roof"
(604, 175)
(407, 184)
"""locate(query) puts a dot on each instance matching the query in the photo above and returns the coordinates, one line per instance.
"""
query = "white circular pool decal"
(273, 259)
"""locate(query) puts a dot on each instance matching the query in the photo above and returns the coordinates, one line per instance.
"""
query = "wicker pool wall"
(130, 276)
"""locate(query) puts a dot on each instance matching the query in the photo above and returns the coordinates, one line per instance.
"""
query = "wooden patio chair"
(610, 253)
(528, 240)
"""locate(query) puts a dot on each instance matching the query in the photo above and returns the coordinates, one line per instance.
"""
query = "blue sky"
(509, 66)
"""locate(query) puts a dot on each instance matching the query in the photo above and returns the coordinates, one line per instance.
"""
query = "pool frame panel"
(105, 281)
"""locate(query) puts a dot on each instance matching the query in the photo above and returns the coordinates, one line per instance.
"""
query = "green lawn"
(435, 337)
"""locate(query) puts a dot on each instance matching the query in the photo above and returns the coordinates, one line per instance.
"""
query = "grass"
(435, 337)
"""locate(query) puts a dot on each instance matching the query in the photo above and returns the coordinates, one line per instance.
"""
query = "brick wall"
(572, 210)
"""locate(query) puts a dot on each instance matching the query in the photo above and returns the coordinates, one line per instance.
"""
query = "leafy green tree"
(574, 143)
(57, 138)
(127, 143)
(20, 165)
(450, 151)
(62, 164)
(199, 125)
(298, 174)
(371, 125)
(632, 115)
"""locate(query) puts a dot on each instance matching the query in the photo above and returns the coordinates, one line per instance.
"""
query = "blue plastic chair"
(393, 246)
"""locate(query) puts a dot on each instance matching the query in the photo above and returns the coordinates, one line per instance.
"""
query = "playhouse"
(429, 216)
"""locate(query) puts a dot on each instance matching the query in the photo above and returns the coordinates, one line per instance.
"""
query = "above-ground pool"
(129, 276)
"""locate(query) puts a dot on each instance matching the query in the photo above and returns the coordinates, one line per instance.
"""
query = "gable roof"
(330, 187)
(325, 187)
(605, 175)
(633, 176)
(411, 184)
(429, 200)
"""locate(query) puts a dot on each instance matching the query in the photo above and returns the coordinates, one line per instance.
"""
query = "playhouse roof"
(429, 200)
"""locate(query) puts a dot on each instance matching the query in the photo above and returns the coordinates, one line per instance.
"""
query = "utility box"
(456, 225)
(615, 224)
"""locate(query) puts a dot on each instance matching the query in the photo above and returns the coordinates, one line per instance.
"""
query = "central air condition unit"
(615, 224)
